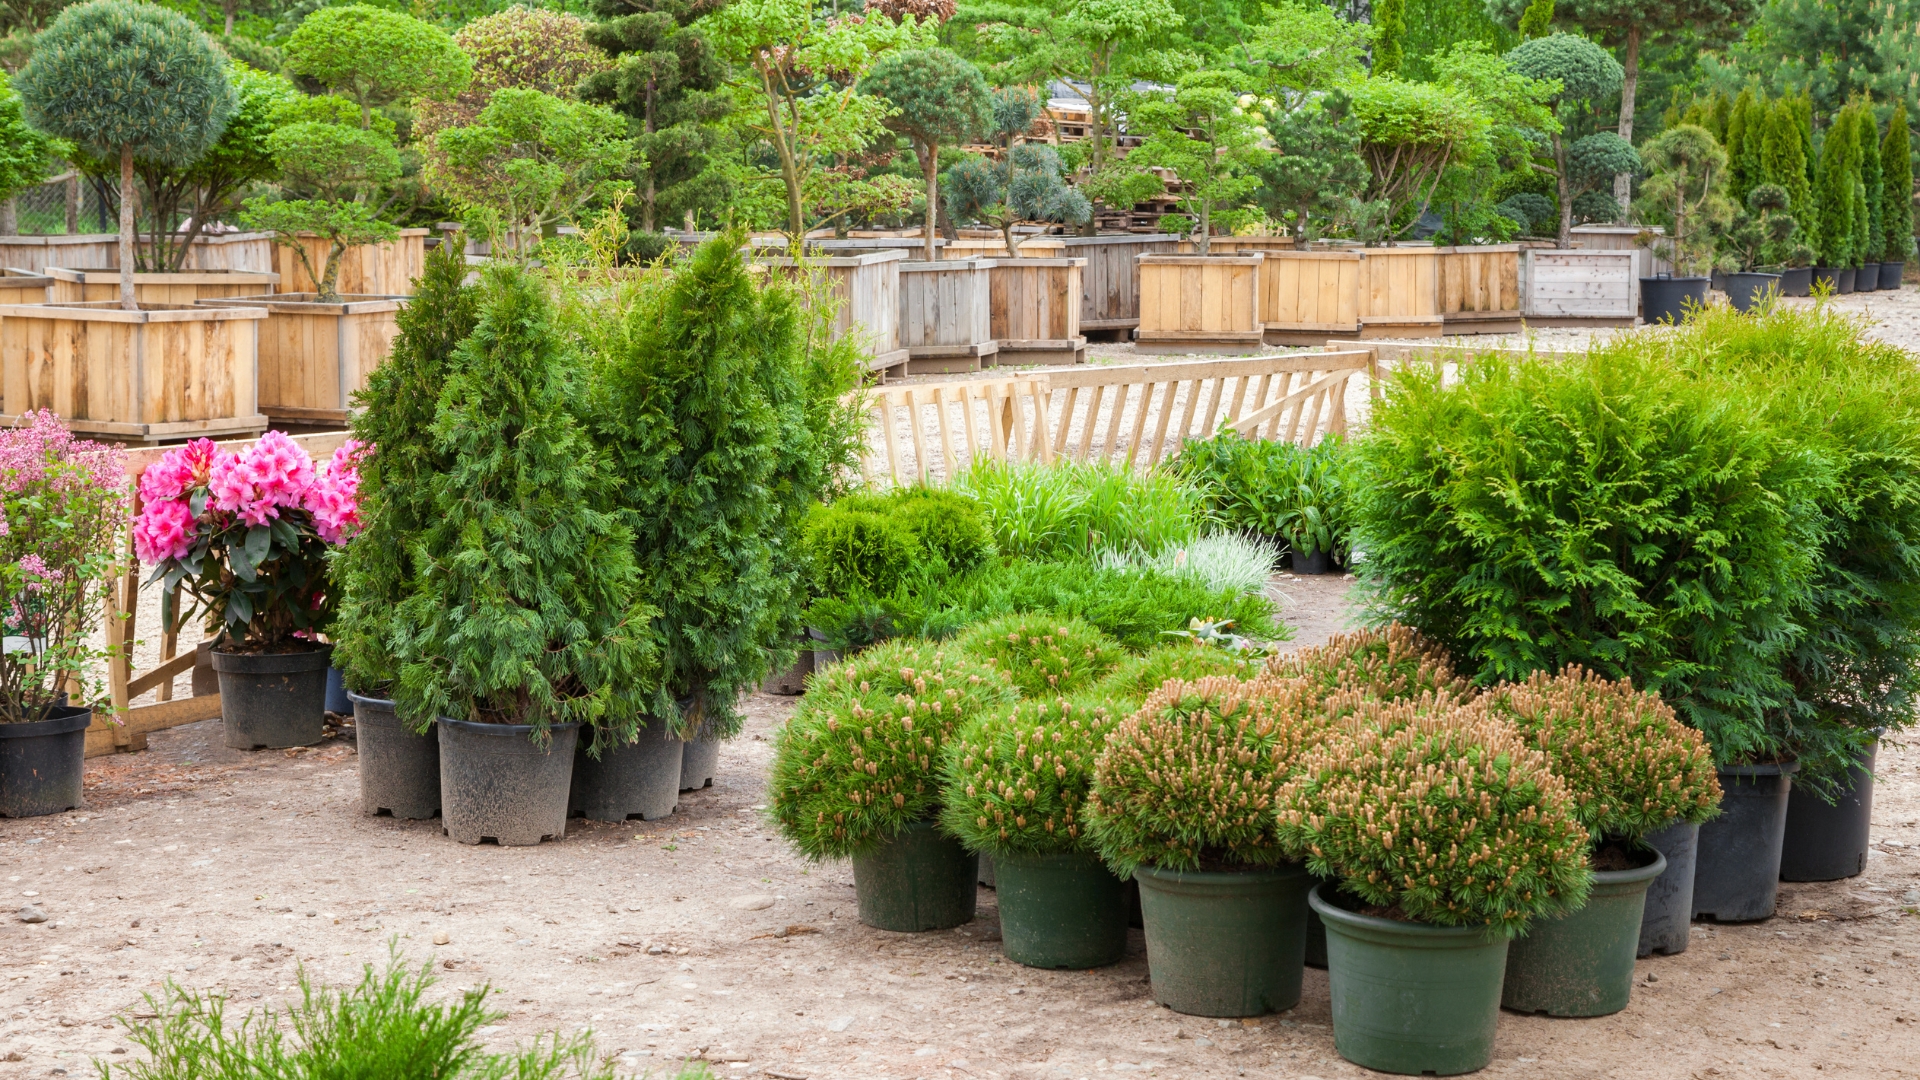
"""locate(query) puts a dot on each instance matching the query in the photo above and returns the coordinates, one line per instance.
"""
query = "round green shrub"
(949, 526)
(1443, 818)
(1016, 779)
(1044, 655)
(1128, 685)
(1388, 664)
(855, 552)
(859, 761)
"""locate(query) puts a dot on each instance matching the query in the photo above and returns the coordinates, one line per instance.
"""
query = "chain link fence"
(61, 206)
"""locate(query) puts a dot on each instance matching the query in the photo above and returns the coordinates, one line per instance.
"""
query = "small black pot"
(399, 768)
(1867, 279)
(638, 780)
(699, 760)
(1718, 281)
(1848, 275)
(1827, 843)
(273, 700)
(1890, 274)
(1312, 562)
(42, 761)
(497, 784)
(1737, 877)
(339, 702)
(1669, 911)
(1664, 299)
(1830, 275)
(793, 680)
(1745, 290)
(1796, 281)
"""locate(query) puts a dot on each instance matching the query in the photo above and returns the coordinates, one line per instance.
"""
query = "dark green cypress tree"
(1390, 32)
(1871, 183)
(1896, 166)
(1782, 162)
(1833, 193)
(1743, 135)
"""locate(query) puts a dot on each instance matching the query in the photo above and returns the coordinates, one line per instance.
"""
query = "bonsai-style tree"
(1312, 175)
(1896, 161)
(1201, 132)
(331, 173)
(1686, 193)
(26, 155)
(1409, 133)
(128, 80)
(521, 48)
(1834, 193)
(1586, 74)
(1023, 187)
(377, 57)
(939, 100)
(1762, 229)
(1303, 46)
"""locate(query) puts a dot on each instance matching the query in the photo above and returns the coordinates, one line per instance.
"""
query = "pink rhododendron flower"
(273, 473)
(180, 471)
(334, 498)
(164, 530)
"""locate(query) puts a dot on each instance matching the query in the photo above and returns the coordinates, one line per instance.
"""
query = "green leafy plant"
(1072, 511)
(857, 552)
(952, 534)
(939, 99)
(26, 155)
(1044, 657)
(1016, 779)
(859, 760)
(1274, 487)
(1443, 818)
(1393, 663)
(1222, 561)
(1834, 194)
(1409, 133)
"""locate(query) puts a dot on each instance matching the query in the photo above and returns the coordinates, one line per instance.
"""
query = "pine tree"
(1833, 193)
(1896, 165)
(1871, 184)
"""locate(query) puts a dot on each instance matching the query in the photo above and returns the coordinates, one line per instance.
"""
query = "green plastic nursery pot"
(1064, 910)
(1225, 943)
(1316, 935)
(919, 880)
(1581, 963)
(1409, 997)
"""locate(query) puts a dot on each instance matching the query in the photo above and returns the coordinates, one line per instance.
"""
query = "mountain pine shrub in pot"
(1127, 686)
(1391, 663)
(1448, 834)
(1183, 800)
(1044, 657)
(856, 775)
(1631, 769)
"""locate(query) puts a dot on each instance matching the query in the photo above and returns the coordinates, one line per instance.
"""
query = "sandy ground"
(704, 936)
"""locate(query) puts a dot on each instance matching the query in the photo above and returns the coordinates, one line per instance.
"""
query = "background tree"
(1745, 133)
(1783, 162)
(1313, 176)
(1024, 186)
(1819, 48)
(377, 57)
(938, 99)
(331, 174)
(26, 155)
(1833, 194)
(1896, 161)
(1686, 193)
(1302, 45)
(126, 79)
(522, 48)
(1389, 31)
(1409, 134)
(1584, 72)
(1203, 135)
(1870, 231)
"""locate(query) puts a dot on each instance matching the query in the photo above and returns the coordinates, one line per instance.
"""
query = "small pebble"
(32, 914)
(441, 938)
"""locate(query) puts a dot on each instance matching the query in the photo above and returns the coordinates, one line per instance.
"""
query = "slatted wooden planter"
(1200, 304)
(1034, 311)
(1310, 297)
(1241, 245)
(226, 251)
(866, 292)
(314, 356)
(163, 372)
(1480, 289)
(1571, 287)
(182, 289)
(365, 269)
(913, 246)
(24, 287)
(1110, 285)
(946, 315)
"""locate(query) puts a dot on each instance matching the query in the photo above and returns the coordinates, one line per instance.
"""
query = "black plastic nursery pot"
(1718, 281)
(1668, 913)
(823, 657)
(918, 880)
(699, 760)
(1310, 562)
(339, 702)
(399, 767)
(1225, 943)
(1061, 910)
(1796, 281)
(1581, 963)
(1745, 290)
(1848, 275)
(1867, 278)
(1828, 275)
(1829, 842)
(1890, 274)
(42, 761)
(273, 700)
(497, 784)
(1408, 997)
(793, 680)
(1737, 877)
(1665, 299)
(640, 779)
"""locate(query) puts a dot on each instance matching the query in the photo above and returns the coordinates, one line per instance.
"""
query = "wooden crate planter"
(1624, 238)
(1110, 284)
(23, 287)
(946, 321)
(1573, 287)
(1400, 293)
(163, 372)
(314, 356)
(1241, 245)
(1200, 304)
(183, 289)
(365, 269)
(1480, 289)
(1034, 311)
(1310, 297)
(866, 291)
(226, 251)
(914, 247)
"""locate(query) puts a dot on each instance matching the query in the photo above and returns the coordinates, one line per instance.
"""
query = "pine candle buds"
(1044, 655)
(1388, 664)
(1017, 778)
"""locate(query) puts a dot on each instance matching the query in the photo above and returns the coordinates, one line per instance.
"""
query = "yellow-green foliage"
(1630, 765)
(1446, 818)
(1127, 686)
(1045, 655)
(1016, 779)
(1388, 664)
(859, 760)
(1189, 781)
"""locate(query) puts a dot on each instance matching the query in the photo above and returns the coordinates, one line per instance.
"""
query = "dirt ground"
(704, 936)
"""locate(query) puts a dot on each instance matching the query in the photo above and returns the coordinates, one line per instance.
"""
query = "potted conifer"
(856, 775)
(1631, 768)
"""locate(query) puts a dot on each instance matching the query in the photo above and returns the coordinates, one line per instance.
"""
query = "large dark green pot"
(1064, 910)
(919, 880)
(1317, 934)
(1409, 997)
(1581, 963)
(1225, 944)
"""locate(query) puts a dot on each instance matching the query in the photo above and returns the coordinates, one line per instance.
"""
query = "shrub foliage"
(1044, 657)
(1016, 779)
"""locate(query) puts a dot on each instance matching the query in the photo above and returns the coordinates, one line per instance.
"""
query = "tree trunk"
(1566, 196)
(1623, 182)
(789, 167)
(328, 286)
(73, 202)
(1206, 228)
(930, 167)
(648, 201)
(9, 217)
(127, 301)
(230, 5)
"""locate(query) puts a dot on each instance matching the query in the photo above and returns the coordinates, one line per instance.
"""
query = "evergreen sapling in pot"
(1045, 658)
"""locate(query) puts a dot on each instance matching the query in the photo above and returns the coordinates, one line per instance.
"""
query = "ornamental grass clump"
(1044, 655)
(1442, 818)
(1389, 664)
(858, 763)
(1191, 780)
(1017, 778)
(1630, 766)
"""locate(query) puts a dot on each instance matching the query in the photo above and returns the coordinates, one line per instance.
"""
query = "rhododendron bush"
(247, 533)
(62, 506)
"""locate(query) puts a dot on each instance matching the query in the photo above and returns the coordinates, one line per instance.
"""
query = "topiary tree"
(521, 48)
(1686, 192)
(1202, 134)
(377, 57)
(1586, 74)
(1834, 194)
(127, 80)
(1045, 657)
(939, 99)
(1025, 186)
(1896, 212)
(331, 173)
(26, 155)
(1763, 227)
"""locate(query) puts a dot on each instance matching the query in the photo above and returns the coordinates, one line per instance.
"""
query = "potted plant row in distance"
(1279, 489)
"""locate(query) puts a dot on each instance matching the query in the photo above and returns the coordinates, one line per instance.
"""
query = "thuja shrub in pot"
(246, 534)
(856, 775)
(1630, 768)
(1448, 835)
(1183, 801)
(62, 507)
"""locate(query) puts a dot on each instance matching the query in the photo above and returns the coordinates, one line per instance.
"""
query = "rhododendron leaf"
(197, 502)
(282, 531)
(254, 551)
(239, 608)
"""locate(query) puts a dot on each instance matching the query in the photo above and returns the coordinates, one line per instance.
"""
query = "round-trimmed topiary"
(859, 761)
(1442, 818)
(857, 552)
(1045, 656)
(1390, 664)
(1016, 779)
(377, 57)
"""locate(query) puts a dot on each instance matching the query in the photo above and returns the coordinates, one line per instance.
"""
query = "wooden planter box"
(1572, 287)
(946, 322)
(1110, 285)
(182, 289)
(314, 356)
(1311, 297)
(164, 372)
(866, 290)
(227, 251)
(365, 269)
(24, 287)
(1242, 245)
(1035, 311)
(1200, 304)
(914, 247)
(1623, 238)
(1480, 289)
